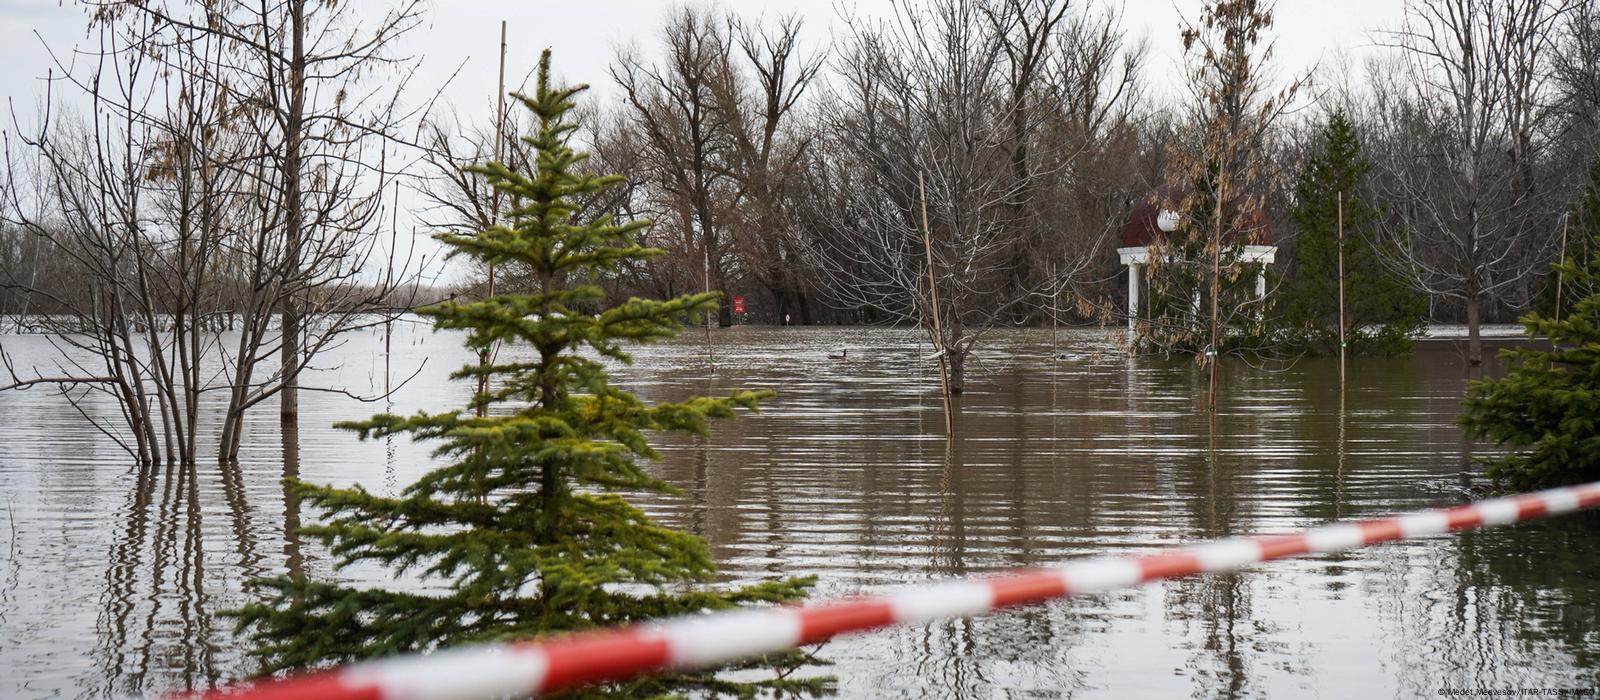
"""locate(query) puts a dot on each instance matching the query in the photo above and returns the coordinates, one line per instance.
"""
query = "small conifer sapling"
(523, 533)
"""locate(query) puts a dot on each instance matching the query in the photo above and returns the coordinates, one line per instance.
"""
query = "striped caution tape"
(702, 641)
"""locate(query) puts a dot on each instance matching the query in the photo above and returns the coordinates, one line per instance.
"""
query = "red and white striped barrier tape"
(703, 641)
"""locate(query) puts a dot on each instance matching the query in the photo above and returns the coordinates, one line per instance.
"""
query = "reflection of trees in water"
(126, 559)
(946, 647)
(765, 491)
(1218, 604)
(1530, 594)
(1329, 452)
(1501, 608)
(1220, 488)
(157, 624)
(1015, 650)
(847, 474)
(13, 573)
(243, 525)
(699, 488)
(950, 525)
(156, 612)
(293, 560)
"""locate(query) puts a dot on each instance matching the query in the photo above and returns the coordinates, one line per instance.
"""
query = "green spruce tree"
(1382, 314)
(1547, 406)
(522, 532)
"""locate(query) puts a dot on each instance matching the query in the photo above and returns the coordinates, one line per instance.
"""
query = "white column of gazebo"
(1136, 257)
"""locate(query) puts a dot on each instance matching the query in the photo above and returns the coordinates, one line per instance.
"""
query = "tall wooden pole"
(1055, 316)
(388, 281)
(499, 136)
(1560, 273)
(484, 354)
(1341, 292)
(705, 250)
(1216, 291)
(933, 301)
(1339, 464)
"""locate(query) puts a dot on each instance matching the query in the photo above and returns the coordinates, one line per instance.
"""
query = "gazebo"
(1153, 216)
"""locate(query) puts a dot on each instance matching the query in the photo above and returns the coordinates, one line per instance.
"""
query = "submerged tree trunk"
(289, 398)
(805, 308)
(293, 560)
(958, 371)
(725, 303)
(1474, 321)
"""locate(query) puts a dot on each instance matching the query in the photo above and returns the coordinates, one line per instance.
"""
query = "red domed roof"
(1141, 228)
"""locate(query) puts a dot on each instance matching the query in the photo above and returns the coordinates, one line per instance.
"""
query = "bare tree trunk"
(293, 560)
(486, 355)
(1342, 318)
(1474, 320)
(294, 216)
(1561, 275)
(805, 309)
(958, 372)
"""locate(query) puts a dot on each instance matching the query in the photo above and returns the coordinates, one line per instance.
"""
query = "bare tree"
(760, 97)
(684, 130)
(1100, 149)
(323, 126)
(1576, 68)
(196, 197)
(1027, 33)
(134, 203)
(1465, 123)
(620, 147)
(1201, 277)
(928, 97)
(457, 200)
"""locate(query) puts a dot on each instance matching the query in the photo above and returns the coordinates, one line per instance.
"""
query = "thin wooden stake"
(1560, 273)
(388, 282)
(484, 354)
(933, 300)
(1341, 293)
(1216, 291)
(705, 249)
(1055, 315)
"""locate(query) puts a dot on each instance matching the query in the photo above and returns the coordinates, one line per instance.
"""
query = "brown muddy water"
(112, 575)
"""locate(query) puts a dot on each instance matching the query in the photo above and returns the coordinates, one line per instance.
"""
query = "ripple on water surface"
(113, 576)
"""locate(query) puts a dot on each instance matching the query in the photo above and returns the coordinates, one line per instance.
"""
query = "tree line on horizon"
(959, 165)
(797, 170)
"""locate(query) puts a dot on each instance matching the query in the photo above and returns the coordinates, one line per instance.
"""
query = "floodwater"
(113, 576)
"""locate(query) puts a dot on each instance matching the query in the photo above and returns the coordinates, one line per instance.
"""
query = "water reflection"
(290, 439)
(115, 575)
(158, 615)
(1531, 591)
